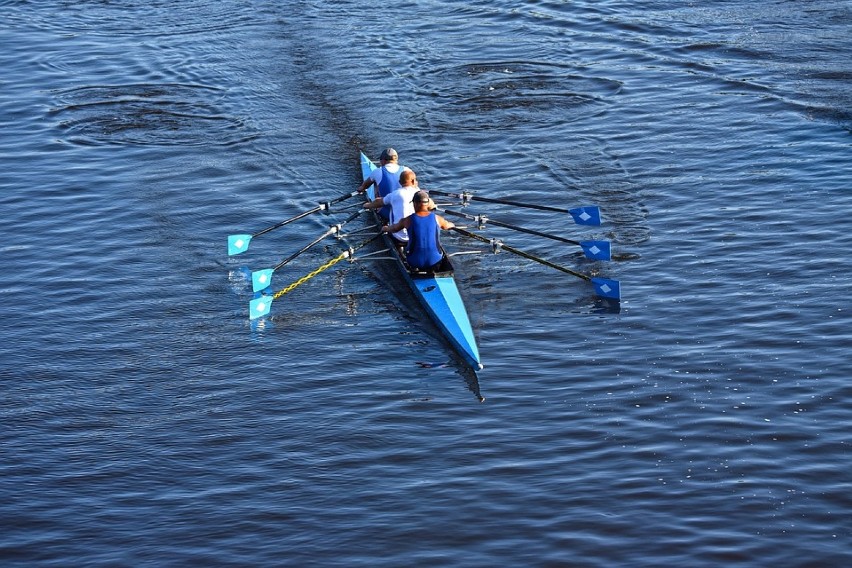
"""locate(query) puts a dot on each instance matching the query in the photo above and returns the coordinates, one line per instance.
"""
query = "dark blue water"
(145, 421)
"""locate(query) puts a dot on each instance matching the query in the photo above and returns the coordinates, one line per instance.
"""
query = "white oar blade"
(238, 243)
(589, 215)
(606, 288)
(597, 250)
(259, 307)
(261, 279)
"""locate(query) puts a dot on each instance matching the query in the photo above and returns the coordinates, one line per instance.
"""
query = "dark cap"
(421, 197)
(389, 154)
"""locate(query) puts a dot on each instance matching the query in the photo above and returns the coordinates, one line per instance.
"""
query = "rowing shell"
(437, 292)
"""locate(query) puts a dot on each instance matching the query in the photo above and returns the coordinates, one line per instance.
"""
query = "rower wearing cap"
(423, 250)
(385, 177)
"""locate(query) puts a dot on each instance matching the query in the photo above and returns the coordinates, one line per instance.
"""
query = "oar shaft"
(523, 254)
(320, 207)
(327, 265)
(486, 220)
(498, 201)
(288, 221)
(303, 249)
(331, 230)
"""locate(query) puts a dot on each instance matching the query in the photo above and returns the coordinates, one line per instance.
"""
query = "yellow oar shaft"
(310, 275)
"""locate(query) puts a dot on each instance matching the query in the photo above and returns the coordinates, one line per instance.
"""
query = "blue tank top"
(424, 246)
(388, 184)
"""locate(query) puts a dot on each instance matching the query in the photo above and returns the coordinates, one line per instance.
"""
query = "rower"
(401, 205)
(423, 251)
(385, 178)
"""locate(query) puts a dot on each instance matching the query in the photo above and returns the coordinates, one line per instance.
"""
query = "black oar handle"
(524, 254)
(466, 196)
(341, 198)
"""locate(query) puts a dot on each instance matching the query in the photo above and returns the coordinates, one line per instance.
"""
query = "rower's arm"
(398, 226)
(365, 184)
(443, 223)
(377, 203)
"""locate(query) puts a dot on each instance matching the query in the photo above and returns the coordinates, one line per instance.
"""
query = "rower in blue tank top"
(424, 244)
(385, 178)
(424, 250)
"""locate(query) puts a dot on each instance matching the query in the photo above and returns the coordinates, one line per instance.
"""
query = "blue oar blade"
(238, 243)
(261, 279)
(259, 307)
(589, 215)
(606, 288)
(597, 250)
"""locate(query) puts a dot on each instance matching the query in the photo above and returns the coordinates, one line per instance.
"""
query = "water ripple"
(147, 115)
(105, 19)
(515, 93)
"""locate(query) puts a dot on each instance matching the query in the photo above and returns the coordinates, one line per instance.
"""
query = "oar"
(240, 243)
(588, 215)
(261, 279)
(259, 307)
(595, 250)
(604, 287)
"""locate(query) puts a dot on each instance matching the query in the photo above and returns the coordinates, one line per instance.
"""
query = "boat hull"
(437, 293)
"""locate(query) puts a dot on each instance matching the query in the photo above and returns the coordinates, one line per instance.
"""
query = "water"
(146, 421)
